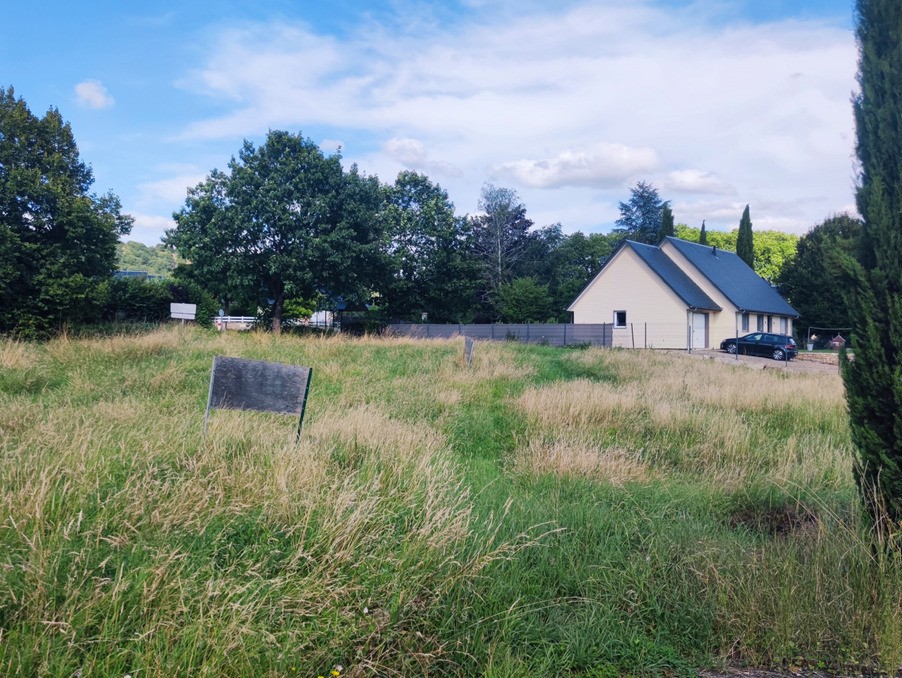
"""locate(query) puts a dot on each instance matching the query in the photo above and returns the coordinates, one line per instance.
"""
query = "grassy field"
(549, 512)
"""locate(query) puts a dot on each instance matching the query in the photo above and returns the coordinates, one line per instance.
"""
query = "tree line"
(286, 229)
(286, 224)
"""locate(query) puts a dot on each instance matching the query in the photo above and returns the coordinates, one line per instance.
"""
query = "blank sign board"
(239, 384)
(183, 311)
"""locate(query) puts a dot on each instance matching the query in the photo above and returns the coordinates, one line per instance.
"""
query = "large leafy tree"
(431, 270)
(813, 281)
(500, 238)
(773, 250)
(57, 239)
(873, 379)
(524, 300)
(745, 240)
(573, 263)
(642, 216)
(285, 222)
(722, 240)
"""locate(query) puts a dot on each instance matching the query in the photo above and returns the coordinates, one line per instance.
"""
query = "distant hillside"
(136, 256)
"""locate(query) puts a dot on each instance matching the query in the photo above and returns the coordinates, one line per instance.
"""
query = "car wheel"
(778, 354)
(731, 348)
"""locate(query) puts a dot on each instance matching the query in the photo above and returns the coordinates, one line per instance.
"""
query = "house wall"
(655, 315)
(753, 324)
(723, 324)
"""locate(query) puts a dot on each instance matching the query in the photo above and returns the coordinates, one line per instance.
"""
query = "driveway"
(823, 363)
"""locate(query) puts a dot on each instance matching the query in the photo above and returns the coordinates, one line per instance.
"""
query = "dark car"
(776, 346)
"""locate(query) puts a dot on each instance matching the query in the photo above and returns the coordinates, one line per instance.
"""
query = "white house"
(680, 295)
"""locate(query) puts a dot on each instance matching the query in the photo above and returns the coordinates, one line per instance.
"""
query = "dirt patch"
(783, 673)
(825, 358)
(777, 520)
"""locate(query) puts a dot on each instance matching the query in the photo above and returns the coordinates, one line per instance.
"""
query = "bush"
(189, 292)
(139, 300)
(135, 300)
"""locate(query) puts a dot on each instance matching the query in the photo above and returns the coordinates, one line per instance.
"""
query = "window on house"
(782, 325)
(760, 326)
(619, 318)
(745, 322)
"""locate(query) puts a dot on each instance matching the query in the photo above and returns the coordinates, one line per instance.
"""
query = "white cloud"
(409, 152)
(525, 96)
(412, 154)
(171, 190)
(329, 146)
(696, 181)
(93, 94)
(149, 228)
(604, 165)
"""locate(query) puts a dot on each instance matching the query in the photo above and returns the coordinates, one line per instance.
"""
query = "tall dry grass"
(132, 545)
(616, 512)
(675, 414)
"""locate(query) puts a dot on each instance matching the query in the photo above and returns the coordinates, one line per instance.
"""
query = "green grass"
(547, 512)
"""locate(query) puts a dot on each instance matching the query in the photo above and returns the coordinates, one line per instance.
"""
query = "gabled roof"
(734, 278)
(667, 270)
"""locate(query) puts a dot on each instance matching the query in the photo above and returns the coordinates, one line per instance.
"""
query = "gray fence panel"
(410, 330)
(484, 332)
(592, 334)
(552, 334)
(444, 331)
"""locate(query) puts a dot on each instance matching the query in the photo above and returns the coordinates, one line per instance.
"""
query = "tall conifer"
(666, 223)
(873, 379)
(703, 235)
(744, 240)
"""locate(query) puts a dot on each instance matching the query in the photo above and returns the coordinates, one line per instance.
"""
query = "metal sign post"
(239, 384)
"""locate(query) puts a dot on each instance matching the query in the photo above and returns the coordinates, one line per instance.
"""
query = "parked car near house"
(776, 346)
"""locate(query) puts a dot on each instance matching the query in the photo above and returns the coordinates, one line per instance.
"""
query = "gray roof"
(671, 274)
(734, 278)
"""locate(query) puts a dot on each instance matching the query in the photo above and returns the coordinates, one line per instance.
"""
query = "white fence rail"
(234, 322)
(246, 322)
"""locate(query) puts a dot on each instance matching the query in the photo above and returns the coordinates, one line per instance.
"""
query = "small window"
(760, 327)
(783, 325)
(619, 318)
(745, 322)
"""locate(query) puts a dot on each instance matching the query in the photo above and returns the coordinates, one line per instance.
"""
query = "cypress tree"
(703, 235)
(744, 245)
(873, 378)
(666, 222)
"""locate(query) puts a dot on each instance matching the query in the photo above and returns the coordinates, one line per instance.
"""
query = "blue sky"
(716, 103)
